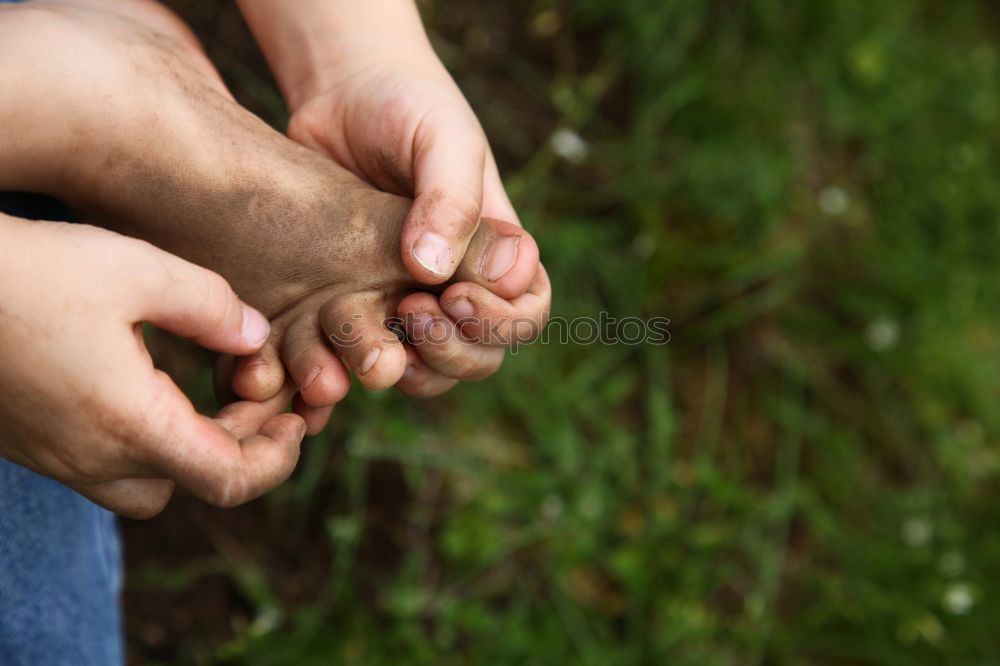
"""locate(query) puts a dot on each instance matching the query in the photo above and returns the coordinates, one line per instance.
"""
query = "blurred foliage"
(806, 474)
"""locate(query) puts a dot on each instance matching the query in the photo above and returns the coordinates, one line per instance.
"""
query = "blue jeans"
(60, 555)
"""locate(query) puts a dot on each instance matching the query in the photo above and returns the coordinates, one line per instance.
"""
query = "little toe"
(419, 380)
(502, 257)
(316, 418)
(260, 375)
(355, 327)
(320, 376)
(440, 343)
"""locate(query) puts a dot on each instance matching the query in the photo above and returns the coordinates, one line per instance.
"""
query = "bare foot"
(165, 152)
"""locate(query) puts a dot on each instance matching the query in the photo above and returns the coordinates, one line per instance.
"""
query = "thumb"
(196, 303)
(448, 161)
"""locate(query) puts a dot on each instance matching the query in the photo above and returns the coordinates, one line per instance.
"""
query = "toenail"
(310, 378)
(255, 328)
(459, 309)
(433, 252)
(370, 360)
(499, 258)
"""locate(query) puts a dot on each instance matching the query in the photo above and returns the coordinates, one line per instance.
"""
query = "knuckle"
(83, 468)
(463, 212)
(227, 492)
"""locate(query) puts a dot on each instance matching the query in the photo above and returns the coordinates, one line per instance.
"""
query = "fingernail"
(370, 361)
(255, 327)
(459, 309)
(409, 372)
(433, 252)
(499, 258)
(310, 378)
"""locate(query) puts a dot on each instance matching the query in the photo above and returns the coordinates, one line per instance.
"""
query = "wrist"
(324, 42)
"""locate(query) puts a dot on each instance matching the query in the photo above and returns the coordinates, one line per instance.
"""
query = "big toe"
(502, 257)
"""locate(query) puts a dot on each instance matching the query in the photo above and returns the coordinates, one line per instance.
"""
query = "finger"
(419, 380)
(491, 320)
(496, 203)
(196, 303)
(247, 451)
(355, 326)
(441, 345)
(321, 377)
(245, 418)
(502, 257)
(132, 498)
(316, 418)
(449, 157)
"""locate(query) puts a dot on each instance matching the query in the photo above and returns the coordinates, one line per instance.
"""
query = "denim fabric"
(60, 575)
(60, 555)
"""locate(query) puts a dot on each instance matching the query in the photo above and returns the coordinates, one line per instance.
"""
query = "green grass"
(806, 474)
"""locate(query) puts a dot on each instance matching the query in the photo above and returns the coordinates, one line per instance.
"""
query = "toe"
(441, 345)
(315, 417)
(320, 376)
(485, 317)
(260, 375)
(502, 257)
(420, 380)
(355, 326)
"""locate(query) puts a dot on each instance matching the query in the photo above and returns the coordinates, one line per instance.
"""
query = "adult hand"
(366, 88)
(80, 400)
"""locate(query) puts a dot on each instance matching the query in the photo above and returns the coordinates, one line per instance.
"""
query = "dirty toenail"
(459, 309)
(255, 327)
(433, 252)
(499, 257)
(370, 359)
(310, 378)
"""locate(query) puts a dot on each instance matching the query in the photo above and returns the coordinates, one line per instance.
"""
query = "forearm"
(37, 138)
(308, 42)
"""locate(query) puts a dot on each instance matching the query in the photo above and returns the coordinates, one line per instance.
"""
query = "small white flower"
(958, 598)
(833, 200)
(882, 334)
(569, 145)
(916, 532)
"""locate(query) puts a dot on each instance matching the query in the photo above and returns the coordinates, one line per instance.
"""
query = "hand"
(80, 400)
(398, 121)
(290, 229)
(367, 90)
